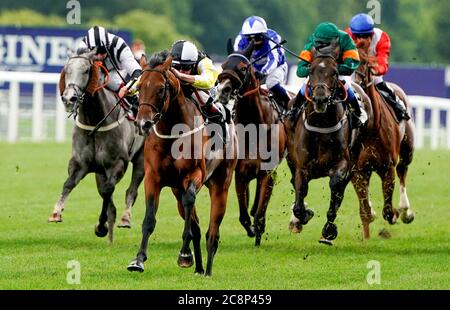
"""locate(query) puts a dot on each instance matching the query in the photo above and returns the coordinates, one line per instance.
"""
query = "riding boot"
(281, 96)
(219, 115)
(400, 111)
(133, 106)
(355, 111)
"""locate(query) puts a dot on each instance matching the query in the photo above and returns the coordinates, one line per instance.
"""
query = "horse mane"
(158, 58)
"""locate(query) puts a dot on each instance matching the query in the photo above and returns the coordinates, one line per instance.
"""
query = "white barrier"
(429, 131)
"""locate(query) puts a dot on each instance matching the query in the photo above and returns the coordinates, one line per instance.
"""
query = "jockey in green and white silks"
(323, 36)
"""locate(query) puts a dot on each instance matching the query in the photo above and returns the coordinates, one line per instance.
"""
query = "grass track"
(34, 254)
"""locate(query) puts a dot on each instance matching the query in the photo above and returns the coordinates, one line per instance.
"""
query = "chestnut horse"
(162, 108)
(255, 111)
(320, 143)
(388, 146)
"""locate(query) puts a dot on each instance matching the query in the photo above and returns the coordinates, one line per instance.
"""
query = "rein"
(160, 112)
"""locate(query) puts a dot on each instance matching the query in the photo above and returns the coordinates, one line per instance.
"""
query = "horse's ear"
(143, 61)
(166, 65)
(229, 46)
(249, 50)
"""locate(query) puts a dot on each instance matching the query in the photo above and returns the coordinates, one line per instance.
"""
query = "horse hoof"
(407, 216)
(250, 231)
(135, 265)
(325, 241)
(307, 216)
(101, 232)
(295, 227)
(55, 218)
(185, 260)
(123, 224)
(329, 231)
(390, 217)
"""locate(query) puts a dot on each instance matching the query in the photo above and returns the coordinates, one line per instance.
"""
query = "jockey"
(324, 36)
(271, 63)
(196, 72)
(117, 58)
(362, 28)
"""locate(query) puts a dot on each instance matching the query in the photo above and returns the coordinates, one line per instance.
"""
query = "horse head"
(158, 87)
(78, 77)
(323, 80)
(237, 74)
(363, 74)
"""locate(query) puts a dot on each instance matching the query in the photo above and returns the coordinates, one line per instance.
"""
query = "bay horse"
(237, 82)
(319, 142)
(388, 146)
(162, 108)
(108, 151)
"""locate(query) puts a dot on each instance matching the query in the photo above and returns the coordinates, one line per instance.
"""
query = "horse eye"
(243, 69)
(86, 72)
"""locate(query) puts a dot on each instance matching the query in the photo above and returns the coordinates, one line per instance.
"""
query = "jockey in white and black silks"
(272, 61)
(117, 58)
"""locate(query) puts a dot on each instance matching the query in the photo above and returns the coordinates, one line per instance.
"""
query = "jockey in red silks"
(362, 28)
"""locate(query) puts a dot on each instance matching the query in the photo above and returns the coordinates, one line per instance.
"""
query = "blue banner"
(40, 49)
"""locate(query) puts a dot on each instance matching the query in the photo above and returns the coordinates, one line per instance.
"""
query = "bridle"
(81, 91)
(241, 79)
(159, 112)
(331, 99)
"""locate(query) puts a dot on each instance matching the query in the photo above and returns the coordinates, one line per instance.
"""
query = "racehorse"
(162, 108)
(106, 152)
(319, 142)
(388, 146)
(252, 107)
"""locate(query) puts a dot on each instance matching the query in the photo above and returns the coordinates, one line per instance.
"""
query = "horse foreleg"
(185, 258)
(243, 194)
(266, 185)
(390, 213)
(131, 194)
(361, 182)
(76, 174)
(152, 192)
(338, 182)
(299, 210)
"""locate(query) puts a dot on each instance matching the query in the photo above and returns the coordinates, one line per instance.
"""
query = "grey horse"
(108, 151)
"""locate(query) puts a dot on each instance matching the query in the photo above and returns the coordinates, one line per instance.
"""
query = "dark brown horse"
(388, 146)
(319, 144)
(264, 146)
(163, 108)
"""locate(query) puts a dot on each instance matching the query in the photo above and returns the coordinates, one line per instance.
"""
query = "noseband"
(166, 99)
(331, 99)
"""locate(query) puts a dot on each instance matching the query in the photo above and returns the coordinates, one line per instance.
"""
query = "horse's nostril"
(227, 90)
(73, 99)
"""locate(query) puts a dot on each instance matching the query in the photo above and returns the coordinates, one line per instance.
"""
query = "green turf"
(34, 254)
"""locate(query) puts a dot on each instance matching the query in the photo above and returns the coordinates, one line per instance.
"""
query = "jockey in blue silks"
(272, 65)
